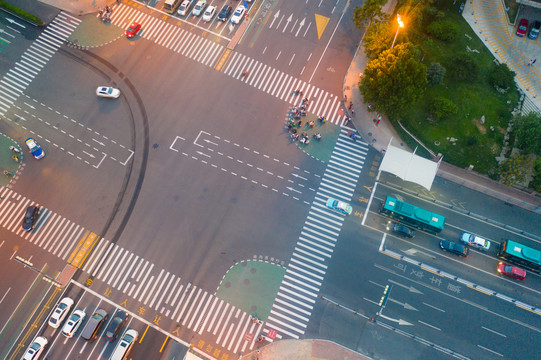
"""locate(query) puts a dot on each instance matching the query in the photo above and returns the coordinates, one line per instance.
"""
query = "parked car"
(60, 312)
(30, 218)
(35, 350)
(522, 27)
(125, 345)
(36, 150)
(511, 271)
(209, 13)
(454, 248)
(107, 92)
(475, 241)
(74, 322)
(133, 30)
(534, 30)
(238, 14)
(116, 325)
(225, 12)
(339, 206)
(94, 324)
(400, 229)
(184, 8)
(199, 7)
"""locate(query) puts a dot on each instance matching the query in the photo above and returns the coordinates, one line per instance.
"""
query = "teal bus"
(412, 215)
(521, 255)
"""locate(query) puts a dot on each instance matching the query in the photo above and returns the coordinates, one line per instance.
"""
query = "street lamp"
(400, 25)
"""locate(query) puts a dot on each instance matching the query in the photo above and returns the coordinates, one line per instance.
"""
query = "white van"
(125, 344)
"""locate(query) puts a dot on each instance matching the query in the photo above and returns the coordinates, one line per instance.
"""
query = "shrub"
(501, 77)
(442, 107)
(535, 183)
(511, 171)
(465, 67)
(20, 12)
(528, 132)
(435, 74)
(443, 30)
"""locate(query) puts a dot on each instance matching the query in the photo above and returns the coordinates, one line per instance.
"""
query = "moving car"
(534, 30)
(35, 350)
(125, 344)
(133, 29)
(115, 326)
(62, 309)
(199, 7)
(511, 271)
(184, 8)
(475, 241)
(107, 92)
(238, 14)
(36, 150)
(400, 229)
(454, 248)
(74, 322)
(209, 13)
(522, 27)
(339, 206)
(225, 12)
(30, 218)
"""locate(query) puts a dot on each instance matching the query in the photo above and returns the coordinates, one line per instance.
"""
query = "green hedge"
(21, 13)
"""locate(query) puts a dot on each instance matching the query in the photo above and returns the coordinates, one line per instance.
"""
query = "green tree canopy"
(528, 132)
(435, 74)
(377, 39)
(371, 9)
(394, 80)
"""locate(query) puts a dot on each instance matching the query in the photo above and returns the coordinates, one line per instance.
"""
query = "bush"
(501, 77)
(511, 171)
(435, 74)
(442, 107)
(443, 30)
(465, 67)
(535, 183)
(528, 132)
(20, 12)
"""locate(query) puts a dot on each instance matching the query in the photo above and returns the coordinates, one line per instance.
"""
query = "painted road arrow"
(274, 18)
(288, 21)
(399, 321)
(16, 23)
(405, 305)
(300, 27)
(409, 288)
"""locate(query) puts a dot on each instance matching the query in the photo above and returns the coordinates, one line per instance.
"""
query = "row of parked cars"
(90, 331)
(532, 29)
(200, 8)
(462, 249)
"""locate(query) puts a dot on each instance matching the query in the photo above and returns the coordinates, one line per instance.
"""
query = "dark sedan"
(30, 218)
(115, 326)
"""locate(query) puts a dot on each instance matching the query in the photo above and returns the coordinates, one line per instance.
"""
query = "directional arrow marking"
(301, 24)
(399, 321)
(274, 19)
(409, 288)
(405, 305)
(288, 21)
(16, 23)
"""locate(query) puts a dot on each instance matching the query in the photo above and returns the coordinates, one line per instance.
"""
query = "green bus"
(412, 215)
(521, 255)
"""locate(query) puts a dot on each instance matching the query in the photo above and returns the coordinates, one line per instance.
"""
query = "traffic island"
(92, 32)
(11, 158)
(252, 286)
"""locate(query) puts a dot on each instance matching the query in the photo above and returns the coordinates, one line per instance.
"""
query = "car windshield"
(75, 317)
(128, 339)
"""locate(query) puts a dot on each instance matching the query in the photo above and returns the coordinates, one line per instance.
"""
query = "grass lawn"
(476, 144)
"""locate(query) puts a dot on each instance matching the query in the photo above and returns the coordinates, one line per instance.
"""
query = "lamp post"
(400, 25)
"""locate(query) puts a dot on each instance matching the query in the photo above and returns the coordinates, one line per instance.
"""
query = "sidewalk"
(379, 136)
(304, 350)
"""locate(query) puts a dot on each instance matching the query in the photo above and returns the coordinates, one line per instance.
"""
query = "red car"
(522, 27)
(133, 29)
(511, 271)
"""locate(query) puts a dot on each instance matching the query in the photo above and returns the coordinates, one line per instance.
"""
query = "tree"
(394, 80)
(528, 132)
(501, 77)
(511, 171)
(443, 30)
(442, 107)
(377, 39)
(371, 9)
(435, 74)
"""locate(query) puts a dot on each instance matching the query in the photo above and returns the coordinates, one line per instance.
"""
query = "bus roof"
(522, 251)
(415, 212)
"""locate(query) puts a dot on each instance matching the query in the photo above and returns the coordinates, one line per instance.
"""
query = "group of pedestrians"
(294, 122)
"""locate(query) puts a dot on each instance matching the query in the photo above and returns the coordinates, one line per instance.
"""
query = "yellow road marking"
(82, 250)
(143, 336)
(164, 343)
(223, 59)
(321, 24)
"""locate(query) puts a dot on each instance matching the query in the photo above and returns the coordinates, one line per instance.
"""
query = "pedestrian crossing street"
(35, 58)
(306, 270)
(210, 53)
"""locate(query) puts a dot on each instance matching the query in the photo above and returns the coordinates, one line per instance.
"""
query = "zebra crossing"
(35, 58)
(266, 78)
(306, 270)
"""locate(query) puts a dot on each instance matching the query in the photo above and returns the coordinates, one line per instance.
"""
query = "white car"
(59, 314)
(35, 350)
(339, 206)
(209, 13)
(184, 8)
(125, 345)
(74, 322)
(475, 241)
(238, 14)
(107, 92)
(199, 7)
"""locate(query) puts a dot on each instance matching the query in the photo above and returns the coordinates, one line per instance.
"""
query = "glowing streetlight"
(400, 25)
